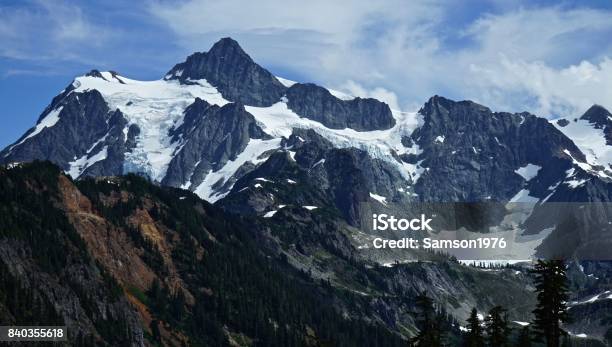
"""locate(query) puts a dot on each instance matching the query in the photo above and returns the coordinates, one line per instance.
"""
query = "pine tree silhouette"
(428, 322)
(474, 337)
(551, 310)
(497, 327)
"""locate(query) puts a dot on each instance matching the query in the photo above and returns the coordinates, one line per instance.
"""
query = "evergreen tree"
(524, 338)
(178, 305)
(155, 330)
(428, 322)
(551, 310)
(497, 327)
(474, 336)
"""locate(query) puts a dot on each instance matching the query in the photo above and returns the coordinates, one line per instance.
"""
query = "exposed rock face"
(601, 119)
(76, 126)
(51, 270)
(448, 152)
(121, 261)
(213, 135)
(112, 248)
(317, 103)
(472, 153)
(227, 67)
(317, 174)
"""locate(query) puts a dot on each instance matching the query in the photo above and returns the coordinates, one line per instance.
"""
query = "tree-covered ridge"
(123, 261)
(230, 290)
(47, 275)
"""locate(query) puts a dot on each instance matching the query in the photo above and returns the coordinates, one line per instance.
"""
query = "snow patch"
(78, 166)
(528, 171)
(379, 198)
(287, 83)
(155, 107)
(575, 183)
(523, 196)
(590, 140)
(263, 180)
(47, 122)
(320, 162)
(270, 214)
(279, 121)
(292, 155)
(254, 149)
(602, 296)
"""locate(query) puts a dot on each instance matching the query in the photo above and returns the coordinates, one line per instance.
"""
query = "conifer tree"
(497, 327)
(474, 337)
(155, 330)
(428, 322)
(551, 310)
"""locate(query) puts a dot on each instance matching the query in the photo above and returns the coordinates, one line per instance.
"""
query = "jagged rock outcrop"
(182, 132)
(227, 67)
(212, 135)
(601, 119)
(72, 130)
(317, 103)
(313, 172)
(471, 153)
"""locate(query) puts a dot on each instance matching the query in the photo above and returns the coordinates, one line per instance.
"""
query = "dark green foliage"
(156, 336)
(32, 223)
(28, 214)
(238, 289)
(497, 328)
(22, 304)
(428, 322)
(551, 311)
(473, 338)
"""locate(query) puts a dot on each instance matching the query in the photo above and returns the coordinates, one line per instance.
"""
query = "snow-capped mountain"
(222, 126)
(107, 124)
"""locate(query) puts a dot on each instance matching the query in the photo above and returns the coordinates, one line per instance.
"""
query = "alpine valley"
(223, 205)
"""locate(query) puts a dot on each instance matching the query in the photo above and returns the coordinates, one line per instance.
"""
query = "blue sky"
(547, 57)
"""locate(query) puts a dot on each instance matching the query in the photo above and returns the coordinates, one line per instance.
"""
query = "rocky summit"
(218, 122)
(224, 205)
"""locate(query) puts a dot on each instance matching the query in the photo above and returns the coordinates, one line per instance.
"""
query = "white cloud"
(547, 34)
(552, 92)
(353, 88)
(550, 60)
(337, 19)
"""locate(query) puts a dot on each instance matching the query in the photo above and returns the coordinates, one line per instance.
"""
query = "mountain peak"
(438, 103)
(109, 76)
(227, 49)
(226, 43)
(598, 115)
(232, 71)
(94, 73)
